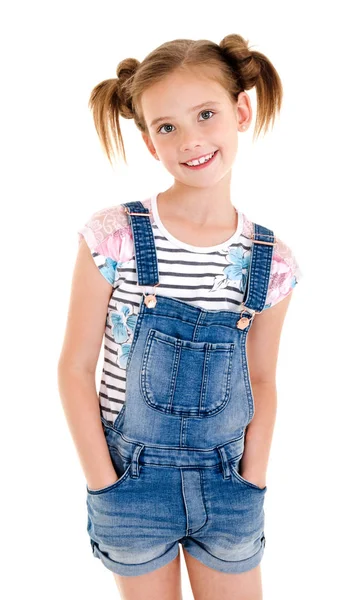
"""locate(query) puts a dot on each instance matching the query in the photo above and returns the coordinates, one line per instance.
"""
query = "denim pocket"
(234, 466)
(183, 377)
(122, 468)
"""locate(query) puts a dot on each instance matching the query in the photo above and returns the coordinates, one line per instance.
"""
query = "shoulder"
(108, 232)
(103, 226)
(285, 270)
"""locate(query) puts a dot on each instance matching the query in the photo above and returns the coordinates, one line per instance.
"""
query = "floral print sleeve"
(109, 237)
(285, 274)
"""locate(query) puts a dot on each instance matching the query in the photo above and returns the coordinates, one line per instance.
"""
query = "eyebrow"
(211, 102)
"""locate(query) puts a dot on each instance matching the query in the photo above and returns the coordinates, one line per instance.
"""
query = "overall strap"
(144, 243)
(147, 265)
(259, 268)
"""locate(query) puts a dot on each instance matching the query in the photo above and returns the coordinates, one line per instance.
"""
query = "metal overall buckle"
(261, 242)
(137, 214)
(150, 299)
(243, 322)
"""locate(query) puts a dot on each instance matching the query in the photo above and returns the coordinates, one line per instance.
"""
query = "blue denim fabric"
(177, 443)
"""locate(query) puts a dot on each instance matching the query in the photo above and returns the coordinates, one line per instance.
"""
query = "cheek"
(167, 151)
(229, 133)
(163, 143)
(223, 134)
(228, 126)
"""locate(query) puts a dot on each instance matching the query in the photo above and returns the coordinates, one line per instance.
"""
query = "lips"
(198, 157)
(200, 166)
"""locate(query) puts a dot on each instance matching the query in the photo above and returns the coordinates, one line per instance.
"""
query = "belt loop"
(225, 466)
(134, 471)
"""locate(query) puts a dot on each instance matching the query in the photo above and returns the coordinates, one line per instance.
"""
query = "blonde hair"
(231, 63)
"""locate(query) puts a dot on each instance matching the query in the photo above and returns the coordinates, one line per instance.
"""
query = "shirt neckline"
(185, 246)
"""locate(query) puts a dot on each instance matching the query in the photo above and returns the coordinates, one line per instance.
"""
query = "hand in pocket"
(101, 482)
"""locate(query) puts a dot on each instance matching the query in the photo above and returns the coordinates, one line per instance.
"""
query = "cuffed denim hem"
(135, 569)
(223, 565)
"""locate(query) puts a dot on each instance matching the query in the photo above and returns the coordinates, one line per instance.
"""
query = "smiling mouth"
(198, 163)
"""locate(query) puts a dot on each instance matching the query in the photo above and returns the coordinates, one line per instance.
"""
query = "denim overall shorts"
(177, 443)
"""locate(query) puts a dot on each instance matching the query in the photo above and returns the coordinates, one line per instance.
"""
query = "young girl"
(190, 296)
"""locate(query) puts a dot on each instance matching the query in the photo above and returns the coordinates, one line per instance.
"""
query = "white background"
(300, 180)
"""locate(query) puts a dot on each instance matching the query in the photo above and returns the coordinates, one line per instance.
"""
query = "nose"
(190, 141)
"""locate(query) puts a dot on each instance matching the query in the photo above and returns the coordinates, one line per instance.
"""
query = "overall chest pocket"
(185, 378)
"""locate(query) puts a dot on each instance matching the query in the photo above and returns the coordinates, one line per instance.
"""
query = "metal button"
(150, 301)
(242, 323)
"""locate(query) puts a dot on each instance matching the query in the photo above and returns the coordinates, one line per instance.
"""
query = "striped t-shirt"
(213, 278)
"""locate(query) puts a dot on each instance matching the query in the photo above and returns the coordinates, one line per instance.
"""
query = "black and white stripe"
(185, 275)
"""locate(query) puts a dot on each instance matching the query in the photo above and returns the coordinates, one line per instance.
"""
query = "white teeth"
(200, 161)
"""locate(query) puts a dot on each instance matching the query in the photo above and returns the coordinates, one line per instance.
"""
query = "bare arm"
(262, 351)
(90, 294)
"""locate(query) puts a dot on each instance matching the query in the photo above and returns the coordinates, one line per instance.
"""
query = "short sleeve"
(109, 238)
(284, 276)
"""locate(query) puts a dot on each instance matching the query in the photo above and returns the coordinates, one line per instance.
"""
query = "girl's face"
(189, 116)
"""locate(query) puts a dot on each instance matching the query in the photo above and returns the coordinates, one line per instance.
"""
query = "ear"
(146, 138)
(243, 111)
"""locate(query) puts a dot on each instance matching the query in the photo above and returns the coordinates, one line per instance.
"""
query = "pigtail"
(109, 100)
(252, 68)
(231, 63)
